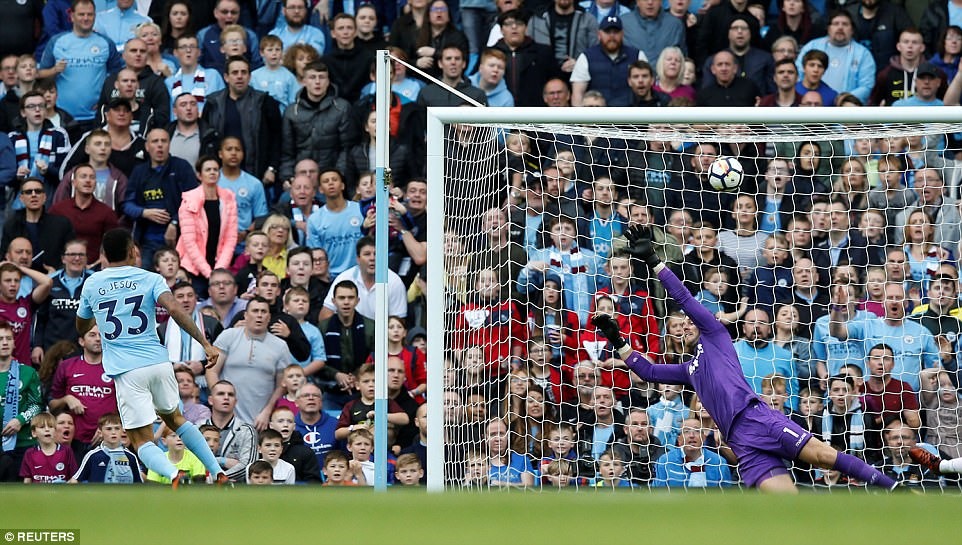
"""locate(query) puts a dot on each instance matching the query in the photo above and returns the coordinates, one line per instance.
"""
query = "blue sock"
(155, 459)
(854, 467)
(194, 441)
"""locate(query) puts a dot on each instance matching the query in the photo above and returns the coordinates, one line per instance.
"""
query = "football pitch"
(281, 515)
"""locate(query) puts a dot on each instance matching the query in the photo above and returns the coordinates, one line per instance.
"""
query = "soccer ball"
(725, 174)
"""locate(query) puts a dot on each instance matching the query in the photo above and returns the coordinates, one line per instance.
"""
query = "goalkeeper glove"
(641, 245)
(609, 328)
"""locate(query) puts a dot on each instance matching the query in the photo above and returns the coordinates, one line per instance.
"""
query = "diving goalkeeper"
(759, 436)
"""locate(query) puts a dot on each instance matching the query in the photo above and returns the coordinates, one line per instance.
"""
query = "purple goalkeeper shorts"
(763, 439)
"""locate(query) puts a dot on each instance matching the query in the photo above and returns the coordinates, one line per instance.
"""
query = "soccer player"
(122, 301)
(934, 463)
(760, 437)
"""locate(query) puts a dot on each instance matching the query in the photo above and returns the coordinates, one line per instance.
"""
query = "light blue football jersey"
(124, 300)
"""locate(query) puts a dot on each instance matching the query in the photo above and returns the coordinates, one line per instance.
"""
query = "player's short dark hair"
(269, 434)
(116, 244)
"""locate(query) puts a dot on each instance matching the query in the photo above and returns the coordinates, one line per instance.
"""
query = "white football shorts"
(144, 393)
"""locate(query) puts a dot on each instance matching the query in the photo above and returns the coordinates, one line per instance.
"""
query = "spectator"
(729, 88)
(273, 78)
(336, 227)
(190, 137)
(348, 341)
(498, 251)
(899, 438)
(79, 77)
(119, 22)
(942, 210)
(784, 48)
(490, 78)
(110, 462)
(238, 439)
(692, 465)
(162, 63)
(248, 191)
(223, 297)
(814, 64)
(759, 356)
(208, 225)
(753, 63)
(18, 310)
(318, 126)
(314, 425)
(151, 97)
(226, 13)
(180, 346)
(641, 80)
(48, 233)
(897, 81)
(941, 315)
(604, 67)
(125, 149)
(179, 20)
(529, 65)
(295, 29)
(580, 32)
(796, 20)
(191, 77)
(17, 437)
(55, 317)
(940, 403)
(358, 413)
(452, 64)
(406, 29)
(40, 147)
(153, 195)
(913, 345)
(946, 54)
(256, 359)
(299, 267)
(851, 68)
(652, 29)
(669, 68)
(24, 22)
(842, 245)
(301, 205)
(81, 387)
(507, 468)
(348, 63)
(713, 29)
(886, 398)
(307, 469)
(89, 217)
(249, 115)
(927, 83)
(843, 419)
(878, 26)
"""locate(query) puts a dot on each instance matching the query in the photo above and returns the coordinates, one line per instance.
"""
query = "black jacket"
(56, 317)
(529, 67)
(261, 118)
(53, 234)
(152, 95)
(299, 455)
(322, 131)
(209, 137)
(350, 70)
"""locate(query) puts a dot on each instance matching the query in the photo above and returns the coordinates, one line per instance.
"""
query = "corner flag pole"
(383, 176)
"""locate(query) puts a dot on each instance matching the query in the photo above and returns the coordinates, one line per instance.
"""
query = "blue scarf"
(11, 403)
(856, 427)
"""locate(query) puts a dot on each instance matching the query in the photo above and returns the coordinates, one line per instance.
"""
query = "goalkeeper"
(760, 437)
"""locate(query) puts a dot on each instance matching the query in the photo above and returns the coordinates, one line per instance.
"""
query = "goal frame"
(439, 117)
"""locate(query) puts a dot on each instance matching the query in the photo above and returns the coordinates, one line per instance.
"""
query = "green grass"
(308, 516)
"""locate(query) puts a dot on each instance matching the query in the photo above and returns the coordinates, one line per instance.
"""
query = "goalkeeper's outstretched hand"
(609, 328)
(641, 244)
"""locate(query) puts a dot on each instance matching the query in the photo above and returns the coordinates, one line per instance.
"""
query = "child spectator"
(408, 470)
(211, 434)
(559, 442)
(668, 414)
(292, 382)
(558, 473)
(772, 282)
(359, 413)
(260, 473)
(360, 443)
(713, 286)
(843, 421)
(610, 470)
(270, 445)
(872, 226)
(273, 78)
(66, 428)
(492, 323)
(595, 347)
(111, 462)
(166, 264)
(556, 324)
(338, 471)
(546, 376)
(775, 392)
(874, 300)
(635, 307)
(477, 468)
(249, 265)
(415, 362)
(233, 42)
(182, 459)
(297, 303)
(47, 462)
(296, 452)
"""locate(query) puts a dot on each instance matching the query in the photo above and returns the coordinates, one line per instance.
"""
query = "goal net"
(849, 213)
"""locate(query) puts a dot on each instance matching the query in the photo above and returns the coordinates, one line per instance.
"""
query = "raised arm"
(637, 362)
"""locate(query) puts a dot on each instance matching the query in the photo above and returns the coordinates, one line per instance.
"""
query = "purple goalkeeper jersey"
(715, 372)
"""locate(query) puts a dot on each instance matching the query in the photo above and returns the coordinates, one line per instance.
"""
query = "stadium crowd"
(236, 139)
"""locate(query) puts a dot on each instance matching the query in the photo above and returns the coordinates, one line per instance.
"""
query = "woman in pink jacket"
(205, 210)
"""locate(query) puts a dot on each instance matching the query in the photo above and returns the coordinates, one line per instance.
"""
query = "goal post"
(771, 130)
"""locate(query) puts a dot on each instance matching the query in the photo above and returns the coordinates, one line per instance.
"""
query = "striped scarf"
(21, 146)
(576, 260)
(199, 89)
